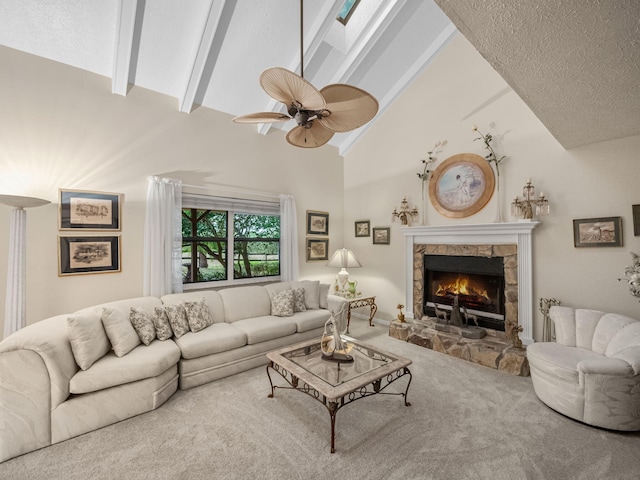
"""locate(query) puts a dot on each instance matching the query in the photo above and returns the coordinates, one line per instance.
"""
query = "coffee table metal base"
(333, 405)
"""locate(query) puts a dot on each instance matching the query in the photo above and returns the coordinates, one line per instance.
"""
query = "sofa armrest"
(631, 355)
(339, 306)
(605, 366)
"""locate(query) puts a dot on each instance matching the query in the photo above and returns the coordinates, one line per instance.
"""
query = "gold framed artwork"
(317, 249)
(317, 223)
(461, 185)
(82, 255)
(83, 209)
(597, 232)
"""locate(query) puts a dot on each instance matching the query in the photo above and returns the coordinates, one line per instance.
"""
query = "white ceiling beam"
(367, 40)
(403, 82)
(125, 30)
(317, 31)
(199, 60)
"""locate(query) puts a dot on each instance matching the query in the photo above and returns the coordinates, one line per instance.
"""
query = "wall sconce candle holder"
(525, 206)
(405, 214)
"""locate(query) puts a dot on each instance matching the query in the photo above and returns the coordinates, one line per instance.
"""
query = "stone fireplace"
(510, 241)
(487, 269)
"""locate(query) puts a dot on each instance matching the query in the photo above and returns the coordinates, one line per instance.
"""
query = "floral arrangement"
(491, 156)
(632, 275)
(427, 162)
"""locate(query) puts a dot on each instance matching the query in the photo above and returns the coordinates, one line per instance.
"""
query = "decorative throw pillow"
(88, 339)
(142, 324)
(198, 314)
(298, 300)
(282, 303)
(177, 319)
(121, 333)
(161, 322)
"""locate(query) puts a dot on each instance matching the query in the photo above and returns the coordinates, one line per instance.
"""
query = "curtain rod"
(234, 190)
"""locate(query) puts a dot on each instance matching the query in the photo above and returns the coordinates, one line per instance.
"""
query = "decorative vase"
(352, 286)
(498, 218)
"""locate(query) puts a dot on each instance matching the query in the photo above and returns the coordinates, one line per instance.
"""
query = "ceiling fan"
(318, 113)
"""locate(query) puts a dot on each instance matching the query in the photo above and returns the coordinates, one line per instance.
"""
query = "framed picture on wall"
(381, 235)
(597, 232)
(82, 255)
(317, 249)
(82, 209)
(363, 228)
(636, 220)
(461, 185)
(317, 223)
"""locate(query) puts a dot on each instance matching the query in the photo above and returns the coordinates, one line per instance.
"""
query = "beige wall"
(63, 128)
(459, 90)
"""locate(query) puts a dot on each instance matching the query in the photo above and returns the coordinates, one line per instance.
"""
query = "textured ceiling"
(574, 62)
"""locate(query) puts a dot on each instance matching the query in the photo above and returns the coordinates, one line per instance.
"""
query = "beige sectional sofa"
(74, 373)
(592, 372)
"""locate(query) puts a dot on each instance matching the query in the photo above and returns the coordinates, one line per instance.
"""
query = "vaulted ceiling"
(574, 63)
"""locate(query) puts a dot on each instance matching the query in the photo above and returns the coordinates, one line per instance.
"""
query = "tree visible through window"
(211, 237)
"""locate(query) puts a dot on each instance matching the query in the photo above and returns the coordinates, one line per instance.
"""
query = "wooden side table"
(360, 302)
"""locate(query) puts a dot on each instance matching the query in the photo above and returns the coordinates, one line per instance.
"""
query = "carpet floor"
(465, 422)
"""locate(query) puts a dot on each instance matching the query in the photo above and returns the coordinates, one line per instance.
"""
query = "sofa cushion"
(310, 319)
(142, 362)
(142, 324)
(608, 326)
(311, 293)
(216, 338)
(178, 319)
(245, 302)
(162, 324)
(282, 303)
(198, 314)
(260, 329)
(89, 341)
(628, 336)
(121, 333)
(323, 301)
(558, 360)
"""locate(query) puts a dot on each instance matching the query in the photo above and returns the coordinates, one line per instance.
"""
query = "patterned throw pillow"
(198, 315)
(143, 324)
(161, 322)
(298, 300)
(177, 319)
(282, 303)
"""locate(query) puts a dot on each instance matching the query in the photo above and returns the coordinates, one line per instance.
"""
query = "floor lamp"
(15, 304)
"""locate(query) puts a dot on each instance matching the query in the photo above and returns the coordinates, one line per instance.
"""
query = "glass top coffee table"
(338, 384)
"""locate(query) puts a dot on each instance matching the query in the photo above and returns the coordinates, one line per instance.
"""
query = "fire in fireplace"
(476, 282)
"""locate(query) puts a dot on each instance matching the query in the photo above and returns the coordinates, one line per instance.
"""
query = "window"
(347, 10)
(216, 230)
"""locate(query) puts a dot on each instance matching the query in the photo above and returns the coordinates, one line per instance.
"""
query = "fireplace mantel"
(518, 233)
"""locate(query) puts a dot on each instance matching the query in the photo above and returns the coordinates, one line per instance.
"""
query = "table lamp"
(343, 259)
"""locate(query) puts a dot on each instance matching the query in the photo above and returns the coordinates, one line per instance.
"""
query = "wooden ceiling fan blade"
(262, 117)
(289, 88)
(312, 137)
(350, 107)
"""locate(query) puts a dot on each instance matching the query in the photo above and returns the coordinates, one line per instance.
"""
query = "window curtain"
(163, 238)
(289, 269)
(15, 316)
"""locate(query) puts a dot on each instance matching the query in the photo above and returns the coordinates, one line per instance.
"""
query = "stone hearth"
(493, 351)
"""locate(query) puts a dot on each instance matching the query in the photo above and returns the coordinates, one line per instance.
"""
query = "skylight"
(347, 10)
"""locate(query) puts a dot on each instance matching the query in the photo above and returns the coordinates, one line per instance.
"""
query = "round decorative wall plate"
(461, 185)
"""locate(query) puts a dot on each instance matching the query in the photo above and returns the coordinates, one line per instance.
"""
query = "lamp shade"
(343, 258)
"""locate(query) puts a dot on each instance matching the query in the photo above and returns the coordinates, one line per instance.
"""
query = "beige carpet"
(465, 422)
